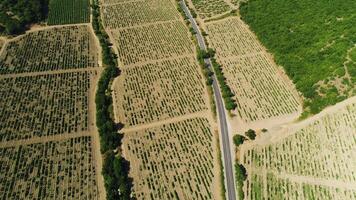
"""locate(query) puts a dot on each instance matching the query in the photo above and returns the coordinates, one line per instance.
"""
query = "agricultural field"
(314, 44)
(51, 170)
(172, 161)
(50, 49)
(68, 12)
(312, 159)
(153, 42)
(143, 12)
(158, 91)
(261, 91)
(44, 105)
(210, 8)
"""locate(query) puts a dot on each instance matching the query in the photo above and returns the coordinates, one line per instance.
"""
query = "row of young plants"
(115, 167)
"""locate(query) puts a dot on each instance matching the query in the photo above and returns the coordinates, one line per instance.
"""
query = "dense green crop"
(68, 12)
(310, 39)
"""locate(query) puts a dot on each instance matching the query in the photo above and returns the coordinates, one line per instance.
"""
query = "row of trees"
(17, 15)
(115, 167)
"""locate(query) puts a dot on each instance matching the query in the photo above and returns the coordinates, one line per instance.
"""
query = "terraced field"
(158, 91)
(67, 47)
(161, 99)
(48, 147)
(312, 159)
(68, 12)
(262, 90)
(183, 160)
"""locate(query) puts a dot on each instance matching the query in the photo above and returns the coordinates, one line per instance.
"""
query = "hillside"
(314, 41)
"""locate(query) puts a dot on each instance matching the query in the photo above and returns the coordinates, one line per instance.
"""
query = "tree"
(238, 139)
(250, 134)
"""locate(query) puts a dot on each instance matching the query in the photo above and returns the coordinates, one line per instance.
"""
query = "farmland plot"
(43, 105)
(138, 12)
(51, 170)
(314, 160)
(68, 12)
(50, 49)
(260, 88)
(210, 8)
(159, 90)
(259, 94)
(172, 161)
(158, 41)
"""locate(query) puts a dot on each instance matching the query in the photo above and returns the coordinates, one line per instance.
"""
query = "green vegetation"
(238, 140)
(115, 168)
(250, 134)
(241, 176)
(17, 15)
(310, 39)
(68, 12)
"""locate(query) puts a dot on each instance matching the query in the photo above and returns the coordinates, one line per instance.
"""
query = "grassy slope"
(296, 31)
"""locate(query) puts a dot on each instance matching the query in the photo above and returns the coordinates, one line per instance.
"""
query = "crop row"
(172, 161)
(50, 170)
(210, 8)
(158, 41)
(138, 13)
(260, 93)
(283, 188)
(68, 12)
(50, 49)
(323, 149)
(43, 105)
(260, 90)
(158, 91)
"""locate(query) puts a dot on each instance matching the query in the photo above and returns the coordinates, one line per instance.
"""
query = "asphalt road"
(229, 172)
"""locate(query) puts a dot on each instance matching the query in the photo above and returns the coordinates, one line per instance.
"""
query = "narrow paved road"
(229, 172)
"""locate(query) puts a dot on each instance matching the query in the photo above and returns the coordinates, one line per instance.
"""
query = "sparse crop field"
(313, 44)
(50, 49)
(50, 170)
(158, 41)
(210, 8)
(135, 13)
(315, 160)
(43, 105)
(159, 90)
(261, 90)
(68, 12)
(231, 38)
(172, 161)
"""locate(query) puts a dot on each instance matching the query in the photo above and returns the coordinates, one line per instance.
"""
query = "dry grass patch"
(314, 160)
(261, 89)
(138, 13)
(158, 91)
(172, 161)
(51, 170)
(153, 42)
(50, 49)
(44, 105)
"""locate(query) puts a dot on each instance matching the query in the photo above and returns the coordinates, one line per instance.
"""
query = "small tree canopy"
(251, 134)
(239, 139)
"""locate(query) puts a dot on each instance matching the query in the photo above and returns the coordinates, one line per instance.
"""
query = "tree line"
(115, 167)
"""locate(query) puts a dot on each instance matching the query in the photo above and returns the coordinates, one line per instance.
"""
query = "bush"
(251, 134)
(238, 139)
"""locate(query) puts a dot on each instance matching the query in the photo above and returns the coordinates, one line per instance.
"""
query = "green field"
(68, 12)
(314, 41)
